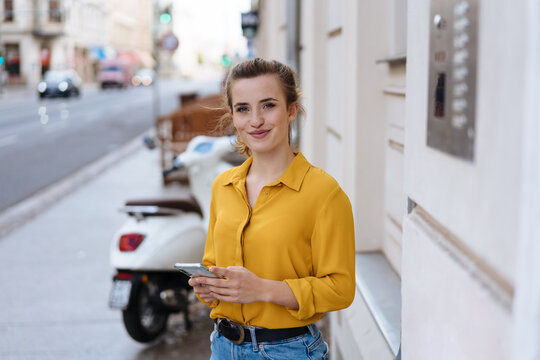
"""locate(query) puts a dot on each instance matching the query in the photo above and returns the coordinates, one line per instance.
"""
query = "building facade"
(71, 34)
(422, 110)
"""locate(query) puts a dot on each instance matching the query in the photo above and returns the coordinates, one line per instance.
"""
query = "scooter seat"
(187, 203)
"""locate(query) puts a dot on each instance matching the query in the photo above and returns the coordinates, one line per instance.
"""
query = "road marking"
(8, 140)
(64, 114)
(57, 126)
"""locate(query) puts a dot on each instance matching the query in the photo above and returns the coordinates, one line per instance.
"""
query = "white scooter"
(160, 233)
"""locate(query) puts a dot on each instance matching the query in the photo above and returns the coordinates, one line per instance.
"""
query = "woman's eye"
(241, 109)
(269, 105)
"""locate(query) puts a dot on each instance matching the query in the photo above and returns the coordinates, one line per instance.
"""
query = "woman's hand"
(239, 285)
(201, 290)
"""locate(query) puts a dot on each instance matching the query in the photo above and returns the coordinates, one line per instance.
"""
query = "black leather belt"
(237, 334)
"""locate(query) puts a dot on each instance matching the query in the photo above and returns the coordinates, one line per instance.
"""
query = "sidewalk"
(56, 277)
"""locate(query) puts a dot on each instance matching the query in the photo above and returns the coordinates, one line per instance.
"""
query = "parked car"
(143, 77)
(63, 83)
(115, 73)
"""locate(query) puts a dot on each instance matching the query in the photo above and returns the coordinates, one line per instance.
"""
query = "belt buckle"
(242, 333)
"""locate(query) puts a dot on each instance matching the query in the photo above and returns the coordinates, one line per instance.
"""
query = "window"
(8, 11)
(55, 15)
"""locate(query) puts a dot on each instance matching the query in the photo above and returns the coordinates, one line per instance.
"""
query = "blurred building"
(59, 34)
(207, 38)
(423, 111)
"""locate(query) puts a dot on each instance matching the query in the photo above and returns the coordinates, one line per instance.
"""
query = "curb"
(20, 213)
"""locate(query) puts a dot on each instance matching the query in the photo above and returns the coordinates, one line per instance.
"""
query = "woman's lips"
(259, 134)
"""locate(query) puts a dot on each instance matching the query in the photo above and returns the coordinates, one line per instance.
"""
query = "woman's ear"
(293, 110)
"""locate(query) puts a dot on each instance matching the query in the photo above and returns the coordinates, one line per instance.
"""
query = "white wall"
(449, 308)
(459, 245)
(345, 125)
(272, 31)
(527, 299)
(477, 201)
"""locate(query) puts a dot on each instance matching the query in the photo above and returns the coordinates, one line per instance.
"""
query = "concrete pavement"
(55, 273)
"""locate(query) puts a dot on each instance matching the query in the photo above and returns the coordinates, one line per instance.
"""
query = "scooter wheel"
(145, 320)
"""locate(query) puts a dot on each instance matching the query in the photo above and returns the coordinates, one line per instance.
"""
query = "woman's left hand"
(239, 285)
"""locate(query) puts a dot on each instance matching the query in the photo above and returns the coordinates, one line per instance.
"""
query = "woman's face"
(260, 113)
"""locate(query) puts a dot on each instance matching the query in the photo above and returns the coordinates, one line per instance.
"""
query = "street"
(42, 141)
(55, 270)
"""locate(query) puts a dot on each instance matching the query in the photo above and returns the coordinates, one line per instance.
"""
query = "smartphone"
(194, 270)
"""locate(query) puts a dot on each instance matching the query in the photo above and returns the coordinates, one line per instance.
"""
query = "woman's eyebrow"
(268, 99)
(240, 104)
(260, 101)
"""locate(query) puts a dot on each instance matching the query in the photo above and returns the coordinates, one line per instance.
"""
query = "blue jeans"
(308, 346)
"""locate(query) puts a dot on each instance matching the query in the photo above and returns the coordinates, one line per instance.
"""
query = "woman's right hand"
(201, 290)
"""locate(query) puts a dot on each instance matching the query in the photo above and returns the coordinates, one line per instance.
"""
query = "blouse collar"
(292, 177)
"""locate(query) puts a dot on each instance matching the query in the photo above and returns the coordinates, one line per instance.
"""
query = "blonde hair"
(252, 68)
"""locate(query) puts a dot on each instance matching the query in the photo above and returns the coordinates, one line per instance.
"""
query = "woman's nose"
(257, 119)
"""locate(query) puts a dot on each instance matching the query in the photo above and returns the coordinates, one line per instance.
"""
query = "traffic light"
(165, 16)
(226, 61)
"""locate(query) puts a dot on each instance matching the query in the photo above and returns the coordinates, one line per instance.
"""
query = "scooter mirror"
(174, 168)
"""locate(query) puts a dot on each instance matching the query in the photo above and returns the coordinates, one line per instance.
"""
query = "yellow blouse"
(300, 231)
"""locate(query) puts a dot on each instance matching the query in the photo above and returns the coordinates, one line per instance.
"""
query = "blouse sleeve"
(332, 285)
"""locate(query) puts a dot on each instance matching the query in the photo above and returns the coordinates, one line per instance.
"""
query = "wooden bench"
(198, 116)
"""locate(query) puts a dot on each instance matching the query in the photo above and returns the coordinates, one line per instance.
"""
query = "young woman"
(281, 233)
